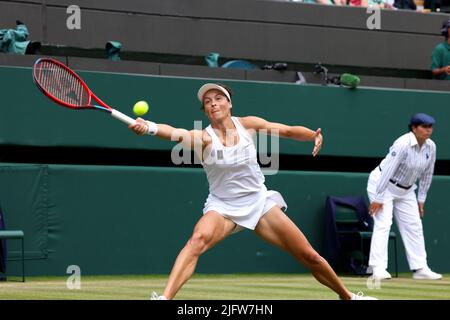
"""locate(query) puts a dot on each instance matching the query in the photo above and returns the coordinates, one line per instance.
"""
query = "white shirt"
(234, 171)
(406, 163)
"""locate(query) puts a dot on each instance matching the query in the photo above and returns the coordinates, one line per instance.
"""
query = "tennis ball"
(140, 108)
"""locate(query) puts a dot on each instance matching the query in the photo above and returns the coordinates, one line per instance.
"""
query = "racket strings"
(61, 84)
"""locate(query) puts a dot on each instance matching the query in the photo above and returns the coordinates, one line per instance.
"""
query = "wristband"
(152, 128)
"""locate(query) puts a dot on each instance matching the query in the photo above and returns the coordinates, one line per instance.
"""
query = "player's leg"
(209, 230)
(276, 228)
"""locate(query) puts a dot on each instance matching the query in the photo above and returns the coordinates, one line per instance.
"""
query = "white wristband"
(152, 128)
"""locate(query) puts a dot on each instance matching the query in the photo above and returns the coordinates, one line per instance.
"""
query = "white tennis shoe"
(155, 296)
(361, 296)
(381, 274)
(426, 274)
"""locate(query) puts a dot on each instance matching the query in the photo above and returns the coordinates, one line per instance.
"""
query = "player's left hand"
(317, 142)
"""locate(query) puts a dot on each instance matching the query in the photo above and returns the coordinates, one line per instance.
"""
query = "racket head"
(62, 85)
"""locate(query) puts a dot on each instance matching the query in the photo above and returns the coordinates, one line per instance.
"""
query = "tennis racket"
(62, 85)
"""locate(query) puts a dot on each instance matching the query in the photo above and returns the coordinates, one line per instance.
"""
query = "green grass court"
(222, 287)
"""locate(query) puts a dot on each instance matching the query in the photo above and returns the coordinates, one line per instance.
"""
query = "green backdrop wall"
(360, 123)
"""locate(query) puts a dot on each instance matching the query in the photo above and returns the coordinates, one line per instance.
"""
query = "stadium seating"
(174, 38)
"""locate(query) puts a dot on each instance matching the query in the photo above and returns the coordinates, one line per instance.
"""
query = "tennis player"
(238, 197)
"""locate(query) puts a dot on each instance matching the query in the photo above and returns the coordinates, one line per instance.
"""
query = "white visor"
(209, 86)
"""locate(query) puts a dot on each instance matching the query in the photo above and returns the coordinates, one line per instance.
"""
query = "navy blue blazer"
(332, 242)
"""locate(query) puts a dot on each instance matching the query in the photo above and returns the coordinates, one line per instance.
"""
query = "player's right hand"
(140, 127)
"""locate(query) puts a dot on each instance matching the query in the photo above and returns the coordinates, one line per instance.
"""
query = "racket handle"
(122, 117)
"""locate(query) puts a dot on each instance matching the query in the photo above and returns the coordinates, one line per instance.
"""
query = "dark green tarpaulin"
(111, 220)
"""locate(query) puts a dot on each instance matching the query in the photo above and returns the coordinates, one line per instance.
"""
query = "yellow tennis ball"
(140, 108)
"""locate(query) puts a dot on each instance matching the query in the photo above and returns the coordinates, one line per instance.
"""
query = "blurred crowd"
(416, 5)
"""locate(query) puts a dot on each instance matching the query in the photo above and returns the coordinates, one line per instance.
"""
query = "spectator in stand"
(440, 58)
(407, 4)
(355, 3)
(380, 4)
(325, 2)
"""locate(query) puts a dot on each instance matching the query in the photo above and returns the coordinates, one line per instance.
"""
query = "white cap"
(209, 86)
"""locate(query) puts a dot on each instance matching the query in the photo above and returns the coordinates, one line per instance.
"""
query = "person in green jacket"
(440, 58)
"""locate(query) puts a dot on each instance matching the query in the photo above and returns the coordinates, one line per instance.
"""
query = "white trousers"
(403, 204)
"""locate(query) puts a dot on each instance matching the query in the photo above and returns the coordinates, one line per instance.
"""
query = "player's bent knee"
(199, 242)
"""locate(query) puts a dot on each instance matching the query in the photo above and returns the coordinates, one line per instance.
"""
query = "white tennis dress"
(236, 183)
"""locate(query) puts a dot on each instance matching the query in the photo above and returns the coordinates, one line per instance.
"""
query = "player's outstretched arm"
(167, 132)
(299, 133)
